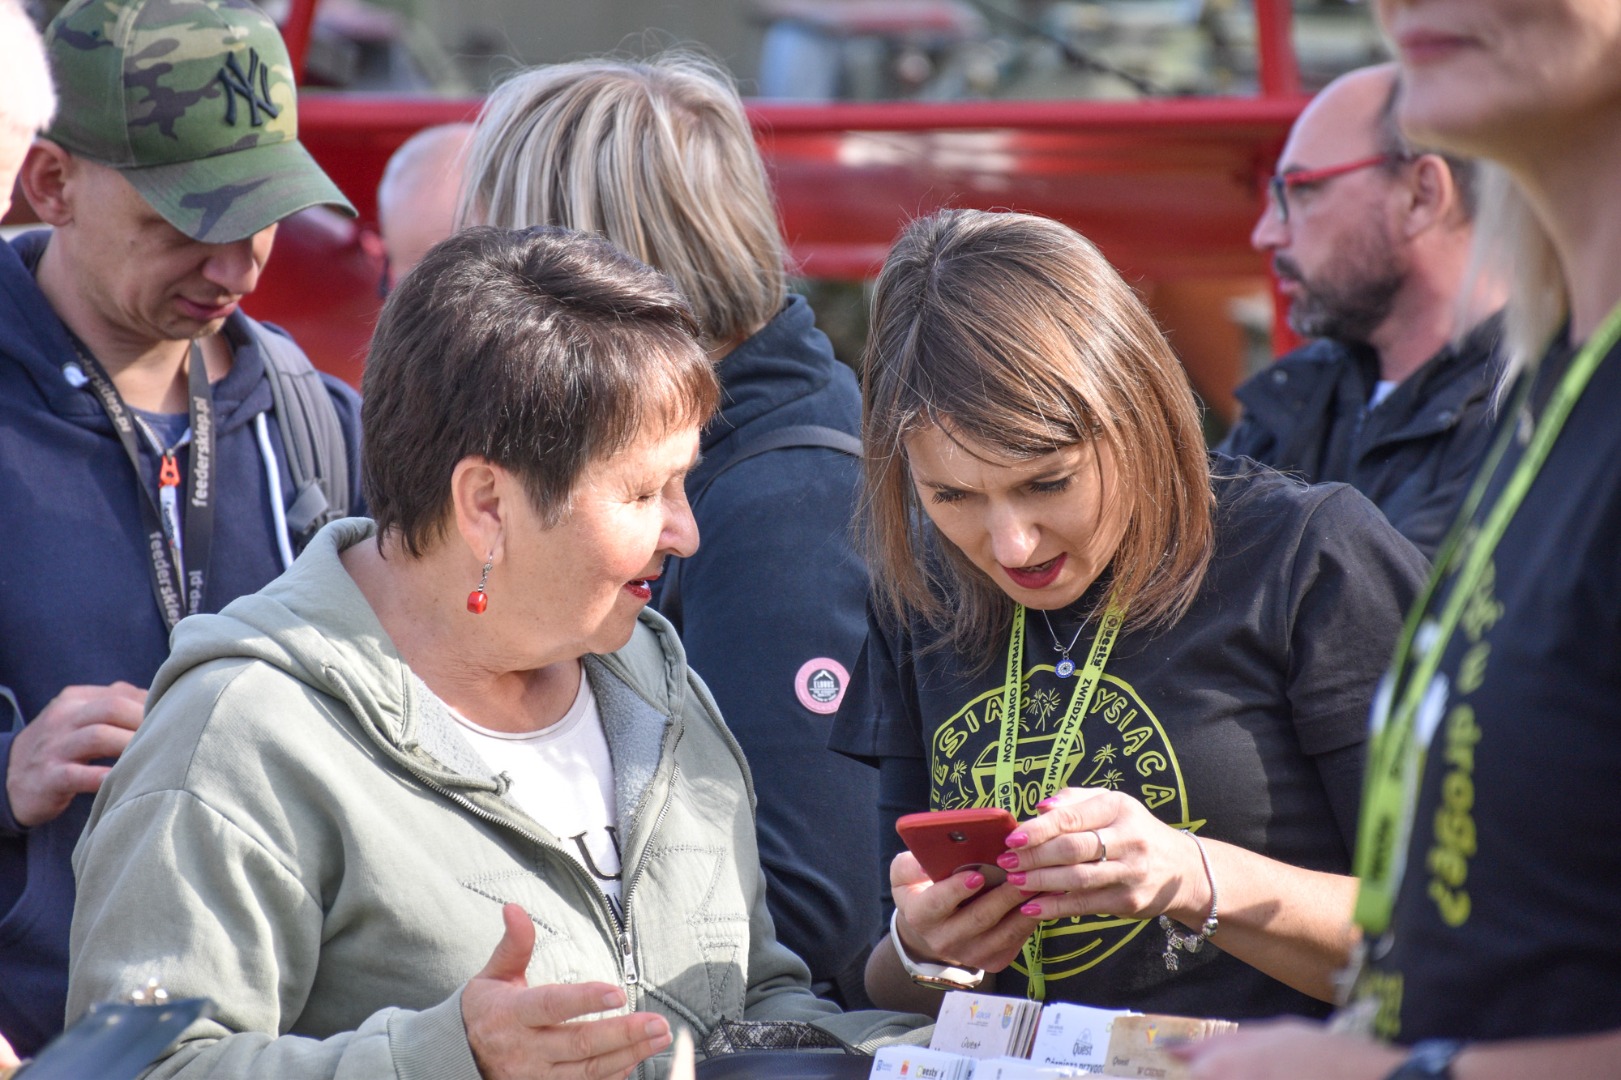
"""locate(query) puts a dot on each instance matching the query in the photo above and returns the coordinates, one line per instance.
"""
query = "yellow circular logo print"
(1121, 746)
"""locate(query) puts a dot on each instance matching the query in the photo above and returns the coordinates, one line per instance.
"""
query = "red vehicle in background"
(1168, 186)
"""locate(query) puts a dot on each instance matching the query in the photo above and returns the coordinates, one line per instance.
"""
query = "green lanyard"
(1397, 743)
(1004, 794)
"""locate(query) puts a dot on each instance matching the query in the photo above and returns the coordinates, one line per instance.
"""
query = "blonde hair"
(659, 157)
(27, 99)
(1508, 235)
(1015, 332)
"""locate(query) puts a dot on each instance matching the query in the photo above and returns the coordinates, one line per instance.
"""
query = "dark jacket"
(76, 603)
(1413, 454)
(775, 594)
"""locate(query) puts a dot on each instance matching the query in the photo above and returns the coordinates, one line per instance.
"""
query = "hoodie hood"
(39, 342)
(314, 624)
(786, 371)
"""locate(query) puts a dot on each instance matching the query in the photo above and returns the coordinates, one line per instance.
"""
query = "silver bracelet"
(1178, 938)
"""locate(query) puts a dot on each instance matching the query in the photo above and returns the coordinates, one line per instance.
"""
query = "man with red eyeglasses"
(1370, 240)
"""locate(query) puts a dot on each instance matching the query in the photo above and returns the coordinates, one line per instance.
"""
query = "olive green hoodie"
(299, 832)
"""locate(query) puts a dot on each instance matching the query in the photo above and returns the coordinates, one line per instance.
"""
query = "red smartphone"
(947, 842)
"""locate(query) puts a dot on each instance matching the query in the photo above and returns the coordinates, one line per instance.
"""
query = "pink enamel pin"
(820, 685)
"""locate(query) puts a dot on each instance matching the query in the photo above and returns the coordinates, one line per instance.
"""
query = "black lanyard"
(179, 559)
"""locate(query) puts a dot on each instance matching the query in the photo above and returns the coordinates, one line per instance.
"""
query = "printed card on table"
(1074, 1035)
(917, 1063)
(1139, 1045)
(1020, 1069)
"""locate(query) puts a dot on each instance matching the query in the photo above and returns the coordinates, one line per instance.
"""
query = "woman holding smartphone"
(1159, 661)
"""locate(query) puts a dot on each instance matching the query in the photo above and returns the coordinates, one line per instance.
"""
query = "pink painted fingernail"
(1016, 878)
(1007, 861)
(1031, 909)
(976, 880)
(1047, 803)
(1017, 839)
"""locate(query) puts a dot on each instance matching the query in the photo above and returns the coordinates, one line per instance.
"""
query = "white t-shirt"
(562, 777)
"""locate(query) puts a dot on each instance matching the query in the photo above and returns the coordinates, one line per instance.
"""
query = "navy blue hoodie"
(773, 616)
(76, 603)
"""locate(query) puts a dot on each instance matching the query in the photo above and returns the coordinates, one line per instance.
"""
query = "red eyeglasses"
(1278, 187)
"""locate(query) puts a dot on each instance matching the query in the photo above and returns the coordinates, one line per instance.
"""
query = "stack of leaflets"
(986, 1037)
(985, 1026)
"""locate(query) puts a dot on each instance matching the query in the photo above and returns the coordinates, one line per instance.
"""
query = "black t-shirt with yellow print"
(1506, 922)
(1243, 722)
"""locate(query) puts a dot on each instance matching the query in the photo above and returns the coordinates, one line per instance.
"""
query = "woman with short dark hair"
(659, 157)
(1159, 661)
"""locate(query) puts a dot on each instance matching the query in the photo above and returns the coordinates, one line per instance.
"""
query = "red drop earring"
(478, 599)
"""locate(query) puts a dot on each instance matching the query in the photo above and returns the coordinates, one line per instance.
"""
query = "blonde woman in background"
(1488, 903)
(659, 157)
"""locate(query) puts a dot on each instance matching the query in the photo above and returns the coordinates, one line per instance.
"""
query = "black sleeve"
(1353, 579)
(776, 583)
(880, 717)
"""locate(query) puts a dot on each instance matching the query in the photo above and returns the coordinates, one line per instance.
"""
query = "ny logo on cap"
(254, 88)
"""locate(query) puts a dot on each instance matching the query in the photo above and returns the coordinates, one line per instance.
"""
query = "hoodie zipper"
(627, 943)
(630, 974)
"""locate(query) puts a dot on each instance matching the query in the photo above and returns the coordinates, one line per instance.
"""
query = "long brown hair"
(1015, 332)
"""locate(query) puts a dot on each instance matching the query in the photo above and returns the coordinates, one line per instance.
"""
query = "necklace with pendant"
(1065, 667)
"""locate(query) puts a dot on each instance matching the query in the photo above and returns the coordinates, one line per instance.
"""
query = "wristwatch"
(1430, 1059)
(934, 976)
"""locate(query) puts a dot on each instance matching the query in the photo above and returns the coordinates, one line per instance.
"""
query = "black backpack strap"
(317, 455)
(794, 436)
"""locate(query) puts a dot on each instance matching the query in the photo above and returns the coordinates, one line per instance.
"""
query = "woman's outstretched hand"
(519, 1031)
(1091, 851)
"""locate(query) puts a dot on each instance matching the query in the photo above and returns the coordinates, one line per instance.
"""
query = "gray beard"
(1350, 316)
(1350, 308)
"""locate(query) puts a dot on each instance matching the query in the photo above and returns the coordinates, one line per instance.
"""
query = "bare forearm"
(1294, 924)
(891, 988)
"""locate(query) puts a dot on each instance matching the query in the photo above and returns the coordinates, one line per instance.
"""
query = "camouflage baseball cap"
(193, 102)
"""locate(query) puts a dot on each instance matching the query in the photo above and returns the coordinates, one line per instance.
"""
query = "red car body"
(1168, 188)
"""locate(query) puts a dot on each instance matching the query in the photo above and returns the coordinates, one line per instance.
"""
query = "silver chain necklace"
(1066, 666)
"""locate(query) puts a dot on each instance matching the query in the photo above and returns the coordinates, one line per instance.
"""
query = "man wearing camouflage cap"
(155, 442)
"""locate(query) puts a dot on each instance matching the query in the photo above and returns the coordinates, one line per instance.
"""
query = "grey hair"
(27, 99)
(659, 157)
